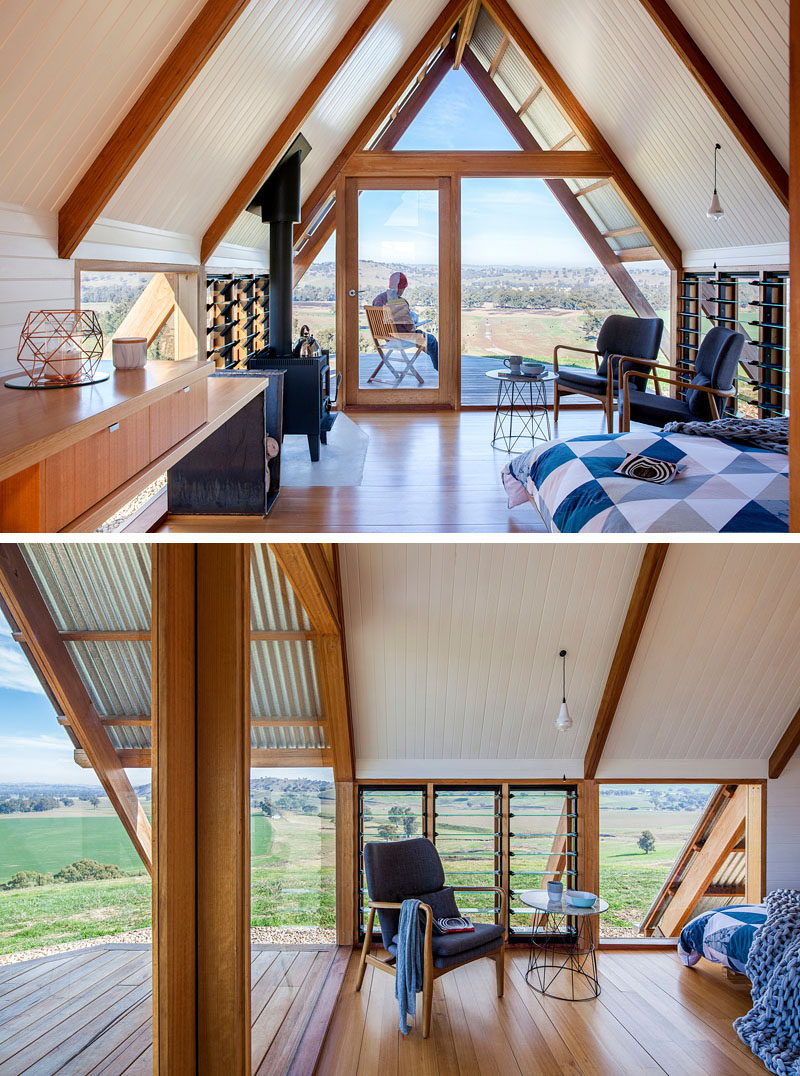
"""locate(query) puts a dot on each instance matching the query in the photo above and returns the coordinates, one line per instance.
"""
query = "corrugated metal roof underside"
(93, 587)
(283, 680)
(273, 604)
(289, 738)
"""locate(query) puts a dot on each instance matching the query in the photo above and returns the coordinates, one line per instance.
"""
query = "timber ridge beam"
(287, 131)
(109, 169)
(646, 583)
(30, 617)
(702, 70)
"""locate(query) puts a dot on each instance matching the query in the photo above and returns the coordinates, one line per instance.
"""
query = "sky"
(505, 221)
(35, 748)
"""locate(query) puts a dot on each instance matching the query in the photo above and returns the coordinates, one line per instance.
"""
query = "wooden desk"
(64, 452)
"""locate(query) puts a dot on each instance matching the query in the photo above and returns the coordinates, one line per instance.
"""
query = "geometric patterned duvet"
(724, 936)
(724, 487)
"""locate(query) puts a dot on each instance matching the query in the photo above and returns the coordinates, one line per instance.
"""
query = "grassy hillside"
(49, 841)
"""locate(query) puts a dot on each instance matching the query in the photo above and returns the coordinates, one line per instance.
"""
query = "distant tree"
(592, 322)
(403, 817)
(94, 800)
(266, 808)
(647, 841)
(387, 831)
(67, 801)
(84, 870)
(309, 808)
(27, 879)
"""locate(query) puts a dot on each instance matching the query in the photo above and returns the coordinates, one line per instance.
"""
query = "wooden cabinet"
(175, 417)
(62, 452)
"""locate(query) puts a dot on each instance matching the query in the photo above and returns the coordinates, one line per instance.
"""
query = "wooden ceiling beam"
(643, 591)
(406, 74)
(98, 636)
(307, 571)
(704, 73)
(126, 145)
(539, 164)
(31, 617)
(568, 201)
(638, 254)
(497, 59)
(787, 746)
(526, 104)
(466, 29)
(288, 129)
(580, 121)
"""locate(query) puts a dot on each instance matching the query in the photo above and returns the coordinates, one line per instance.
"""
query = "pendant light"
(715, 210)
(563, 721)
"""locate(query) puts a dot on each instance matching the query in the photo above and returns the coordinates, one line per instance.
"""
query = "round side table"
(563, 948)
(521, 409)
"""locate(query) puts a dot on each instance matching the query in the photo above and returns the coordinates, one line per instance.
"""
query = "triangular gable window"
(457, 117)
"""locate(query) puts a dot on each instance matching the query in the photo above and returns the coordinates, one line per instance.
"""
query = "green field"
(293, 876)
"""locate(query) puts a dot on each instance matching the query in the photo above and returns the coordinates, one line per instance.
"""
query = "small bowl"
(579, 899)
(533, 369)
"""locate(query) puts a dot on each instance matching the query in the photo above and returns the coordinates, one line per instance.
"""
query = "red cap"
(399, 281)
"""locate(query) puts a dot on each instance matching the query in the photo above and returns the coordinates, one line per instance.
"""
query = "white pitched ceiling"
(453, 653)
(454, 670)
(69, 72)
(716, 675)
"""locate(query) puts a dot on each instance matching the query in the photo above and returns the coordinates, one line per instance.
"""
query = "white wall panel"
(69, 72)
(31, 276)
(783, 832)
(715, 674)
(453, 651)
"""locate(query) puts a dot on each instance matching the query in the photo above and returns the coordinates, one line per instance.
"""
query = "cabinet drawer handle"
(112, 429)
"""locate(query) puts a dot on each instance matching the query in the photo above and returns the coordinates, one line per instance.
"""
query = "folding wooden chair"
(405, 348)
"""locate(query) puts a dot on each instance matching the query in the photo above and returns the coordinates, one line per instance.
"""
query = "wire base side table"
(521, 409)
(563, 959)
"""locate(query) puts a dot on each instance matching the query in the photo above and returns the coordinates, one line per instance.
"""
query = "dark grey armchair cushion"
(451, 949)
(715, 367)
(398, 870)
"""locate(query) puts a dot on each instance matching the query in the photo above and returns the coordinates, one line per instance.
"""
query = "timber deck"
(89, 1011)
(653, 1016)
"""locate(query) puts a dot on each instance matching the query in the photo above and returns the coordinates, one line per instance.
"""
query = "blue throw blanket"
(772, 1027)
(408, 970)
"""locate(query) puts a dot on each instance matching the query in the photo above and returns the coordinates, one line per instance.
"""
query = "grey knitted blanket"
(771, 434)
(772, 1027)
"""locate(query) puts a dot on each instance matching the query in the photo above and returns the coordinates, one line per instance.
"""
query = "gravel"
(258, 936)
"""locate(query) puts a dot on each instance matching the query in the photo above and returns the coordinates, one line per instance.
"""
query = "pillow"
(442, 903)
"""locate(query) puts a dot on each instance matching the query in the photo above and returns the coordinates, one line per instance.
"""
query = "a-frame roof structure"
(659, 87)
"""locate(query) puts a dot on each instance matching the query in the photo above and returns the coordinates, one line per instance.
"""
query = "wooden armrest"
(685, 384)
(579, 350)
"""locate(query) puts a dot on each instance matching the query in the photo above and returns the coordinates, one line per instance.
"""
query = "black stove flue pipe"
(279, 202)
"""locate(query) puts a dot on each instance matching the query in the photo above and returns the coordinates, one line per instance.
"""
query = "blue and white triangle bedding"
(723, 936)
(723, 487)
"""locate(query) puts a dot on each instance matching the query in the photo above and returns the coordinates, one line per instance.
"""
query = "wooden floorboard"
(653, 1016)
(424, 472)
(89, 1012)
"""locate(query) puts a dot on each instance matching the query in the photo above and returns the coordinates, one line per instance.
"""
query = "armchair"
(707, 392)
(399, 870)
(620, 337)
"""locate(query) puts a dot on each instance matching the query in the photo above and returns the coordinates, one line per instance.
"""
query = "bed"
(724, 487)
(723, 936)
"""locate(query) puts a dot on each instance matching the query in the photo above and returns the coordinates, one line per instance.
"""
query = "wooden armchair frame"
(389, 341)
(608, 399)
(678, 382)
(429, 972)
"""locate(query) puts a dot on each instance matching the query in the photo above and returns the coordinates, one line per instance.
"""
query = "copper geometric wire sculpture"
(60, 346)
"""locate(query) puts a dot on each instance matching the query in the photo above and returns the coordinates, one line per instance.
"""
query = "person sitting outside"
(403, 317)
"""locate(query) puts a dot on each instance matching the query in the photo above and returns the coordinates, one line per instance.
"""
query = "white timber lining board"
(783, 832)
(715, 675)
(425, 769)
(31, 275)
(453, 649)
(771, 255)
(682, 769)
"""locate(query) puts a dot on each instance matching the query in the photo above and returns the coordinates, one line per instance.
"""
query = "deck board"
(653, 1016)
(89, 1012)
